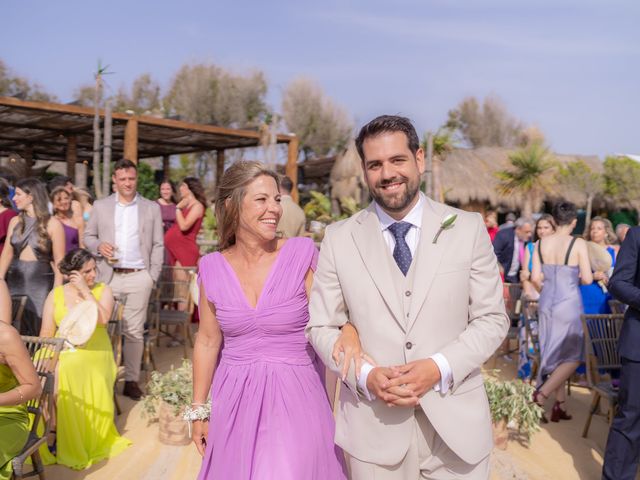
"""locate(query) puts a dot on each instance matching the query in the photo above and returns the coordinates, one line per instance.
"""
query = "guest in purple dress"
(167, 202)
(73, 227)
(270, 416)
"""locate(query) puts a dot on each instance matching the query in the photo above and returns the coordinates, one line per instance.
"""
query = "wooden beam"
(219, 166)
(27, 154)
(292, 166)
(131, 140)
(165, 166)
(72, 156)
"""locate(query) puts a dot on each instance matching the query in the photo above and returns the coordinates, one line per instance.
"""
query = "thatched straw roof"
(468, 176)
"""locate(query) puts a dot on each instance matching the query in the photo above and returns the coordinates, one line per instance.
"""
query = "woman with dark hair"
(270, 415)
(562, 261)
(32, 250)
(19, 383)
(73, 226)
(6, 211)
(180, 239)
(167, 202)
(84, 428)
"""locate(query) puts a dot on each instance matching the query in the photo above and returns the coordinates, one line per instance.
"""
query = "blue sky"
(569, 66)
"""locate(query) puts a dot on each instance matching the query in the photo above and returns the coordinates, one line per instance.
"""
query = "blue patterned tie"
(401, 252)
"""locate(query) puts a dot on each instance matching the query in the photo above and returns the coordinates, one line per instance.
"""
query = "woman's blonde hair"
(230, 192)
(57, 192)
(610, 236)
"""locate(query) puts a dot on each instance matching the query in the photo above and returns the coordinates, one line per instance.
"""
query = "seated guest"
(293, 220)
(19, 383)
(73, 230)
(85, 432)
(508, 245)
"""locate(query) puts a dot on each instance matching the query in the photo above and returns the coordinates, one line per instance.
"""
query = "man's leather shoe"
(132, 390)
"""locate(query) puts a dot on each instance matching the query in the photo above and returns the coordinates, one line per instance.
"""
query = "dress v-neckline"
(236, 278)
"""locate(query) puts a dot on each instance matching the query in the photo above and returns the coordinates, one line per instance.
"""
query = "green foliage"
(186, 168)
(622, 181)
(579, 177)
(173, 387)
(529, 165)
(14, 86)
(443, 141)
(318, 208)
(511, 401)
(147, 186)
(209, 225)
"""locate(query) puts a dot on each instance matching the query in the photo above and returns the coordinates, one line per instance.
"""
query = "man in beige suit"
(427, 303)
(125, 230)
(293, 219)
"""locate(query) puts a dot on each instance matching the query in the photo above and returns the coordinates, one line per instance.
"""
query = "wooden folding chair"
(114, 330)
(601, 334)
(173, 291)
(513, 303)
(617, 306)
(530, 318)
(45, 353)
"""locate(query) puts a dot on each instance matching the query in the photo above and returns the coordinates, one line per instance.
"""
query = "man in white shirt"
(125, 230)
(419, 281)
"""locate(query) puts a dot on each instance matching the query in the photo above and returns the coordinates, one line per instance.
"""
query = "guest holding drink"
(270, 413)
(32, 250)
(563, 262)
(19, 383)
(73, 226)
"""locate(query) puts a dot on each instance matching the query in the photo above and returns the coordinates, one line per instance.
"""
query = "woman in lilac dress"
(270, 416)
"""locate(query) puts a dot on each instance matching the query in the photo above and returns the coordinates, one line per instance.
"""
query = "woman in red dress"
(6, 211)
(180, 239)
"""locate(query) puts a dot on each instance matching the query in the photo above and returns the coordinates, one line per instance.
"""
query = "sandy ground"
(557, 451)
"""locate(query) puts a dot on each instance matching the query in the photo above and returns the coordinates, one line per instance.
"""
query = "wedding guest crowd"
(6, 211)
(180, 238)
(508, 245)
(293, 220)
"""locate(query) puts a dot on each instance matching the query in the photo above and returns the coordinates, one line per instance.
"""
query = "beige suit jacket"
(100, 228)
(293, 219)
(456, 309)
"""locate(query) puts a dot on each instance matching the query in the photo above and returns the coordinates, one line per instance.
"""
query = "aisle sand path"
(558, 451)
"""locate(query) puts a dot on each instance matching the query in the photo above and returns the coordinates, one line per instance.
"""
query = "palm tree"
(442, 143)
(528, 175)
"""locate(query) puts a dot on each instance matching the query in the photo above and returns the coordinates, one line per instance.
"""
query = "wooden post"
(28, 158)
(106, 156)
(72, 157)
(165, 166)
(292, 166)
(131, 140)
(428, 171)
(219, 166)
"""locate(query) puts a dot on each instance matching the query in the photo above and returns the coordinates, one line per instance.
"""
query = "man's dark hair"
(57, 181)
(564, 213)
(388, 124)
(124, 164)
(286, 184)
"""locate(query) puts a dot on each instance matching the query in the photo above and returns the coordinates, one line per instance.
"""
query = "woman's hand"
(601, 277)
(199, 432)
(80, 284)
(183, 203)
(349, 345)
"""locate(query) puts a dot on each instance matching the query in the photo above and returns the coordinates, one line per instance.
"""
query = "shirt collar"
(133, 202)
(414, 217)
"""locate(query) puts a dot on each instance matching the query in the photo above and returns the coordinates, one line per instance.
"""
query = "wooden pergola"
(64, 133)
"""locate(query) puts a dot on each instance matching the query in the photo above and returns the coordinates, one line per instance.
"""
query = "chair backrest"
(617, 306)
(530, 317)
(512, 299)
(18, 304)
(114, 326)
(601, 332)
(44, 353)
(173, 286)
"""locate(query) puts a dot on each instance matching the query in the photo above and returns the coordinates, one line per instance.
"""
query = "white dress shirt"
(414, 217)
(127, 238)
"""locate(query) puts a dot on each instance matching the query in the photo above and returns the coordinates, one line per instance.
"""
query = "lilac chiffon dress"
(270, 416)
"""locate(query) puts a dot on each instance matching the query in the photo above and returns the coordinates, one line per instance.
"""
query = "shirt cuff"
(446, 376)
(362, 380)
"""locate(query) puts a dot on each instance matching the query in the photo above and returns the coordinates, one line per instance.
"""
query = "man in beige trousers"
(125, 230)
(423, 290)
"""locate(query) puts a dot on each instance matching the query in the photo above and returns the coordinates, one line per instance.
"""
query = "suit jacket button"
(407, 293)
(409, 345)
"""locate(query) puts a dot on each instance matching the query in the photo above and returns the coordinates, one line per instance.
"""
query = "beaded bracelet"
(21, 395)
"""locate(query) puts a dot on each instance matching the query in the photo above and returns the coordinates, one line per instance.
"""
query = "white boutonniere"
(446, 224)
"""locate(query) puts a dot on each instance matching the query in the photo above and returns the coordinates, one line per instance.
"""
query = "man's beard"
(396, 204)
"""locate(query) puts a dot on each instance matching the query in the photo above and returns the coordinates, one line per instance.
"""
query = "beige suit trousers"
(425, 459)
(136, 286)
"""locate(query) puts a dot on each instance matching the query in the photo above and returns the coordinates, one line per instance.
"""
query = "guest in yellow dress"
(85, 432)
(18, 384)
